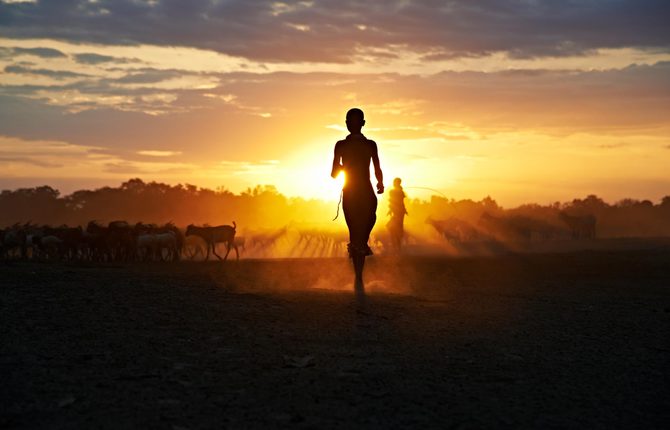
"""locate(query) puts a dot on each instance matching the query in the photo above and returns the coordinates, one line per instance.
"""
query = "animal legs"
(217, 255)
(228, 246)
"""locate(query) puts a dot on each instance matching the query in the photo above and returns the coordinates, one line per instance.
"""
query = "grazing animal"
(582, 227)
(178, 236)
(50, 245)
(153, 244)
(14, 239)
(71, 239)
(213, 235)
(96, 236)
(194, 246)
(153, 239)
(145, 246)
(120, 240)
(33, 239)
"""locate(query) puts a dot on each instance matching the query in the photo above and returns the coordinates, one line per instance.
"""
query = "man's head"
(355, 120)
(397, 182)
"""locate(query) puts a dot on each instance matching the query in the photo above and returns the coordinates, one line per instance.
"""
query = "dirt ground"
(533, 341)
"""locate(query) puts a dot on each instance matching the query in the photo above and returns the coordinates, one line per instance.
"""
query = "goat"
(121, 240)
(194, 246)
(213, 235)
(71, 239)
(50, 245)
(96, 236)
(154, 244)
(15, 238)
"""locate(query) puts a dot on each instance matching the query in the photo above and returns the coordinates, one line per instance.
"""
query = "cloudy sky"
(523, 100)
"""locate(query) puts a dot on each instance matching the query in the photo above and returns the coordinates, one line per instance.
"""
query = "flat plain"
(577, 339)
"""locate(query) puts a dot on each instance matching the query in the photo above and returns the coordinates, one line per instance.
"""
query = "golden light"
(318, 183)
(308, 173)
(340, 180)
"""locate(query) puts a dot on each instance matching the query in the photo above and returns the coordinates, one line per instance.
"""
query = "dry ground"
(562, 340)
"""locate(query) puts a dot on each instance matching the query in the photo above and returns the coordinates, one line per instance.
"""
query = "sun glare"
(324, 187)
(340, 180)
(309, 173)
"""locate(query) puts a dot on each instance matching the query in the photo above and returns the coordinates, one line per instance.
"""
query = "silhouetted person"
(397, 212)
(353, 156)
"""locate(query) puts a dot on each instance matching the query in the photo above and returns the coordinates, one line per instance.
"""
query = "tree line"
(265, 207)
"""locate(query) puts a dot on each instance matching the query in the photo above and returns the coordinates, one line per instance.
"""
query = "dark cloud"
(35, 52)
(92, 58)
(39, 52)
(55, 74)
(339, 30)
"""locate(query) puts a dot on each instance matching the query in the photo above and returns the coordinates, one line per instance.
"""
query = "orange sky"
(76, 111)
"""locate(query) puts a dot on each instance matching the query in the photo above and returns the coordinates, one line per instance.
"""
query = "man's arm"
(378, 168)
(337, 162)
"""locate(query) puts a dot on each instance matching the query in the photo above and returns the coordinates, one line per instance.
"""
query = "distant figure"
(397, 212)
(353, 156)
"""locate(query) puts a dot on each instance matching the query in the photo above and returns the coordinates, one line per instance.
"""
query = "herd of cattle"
(124, 242)
(116, 241)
